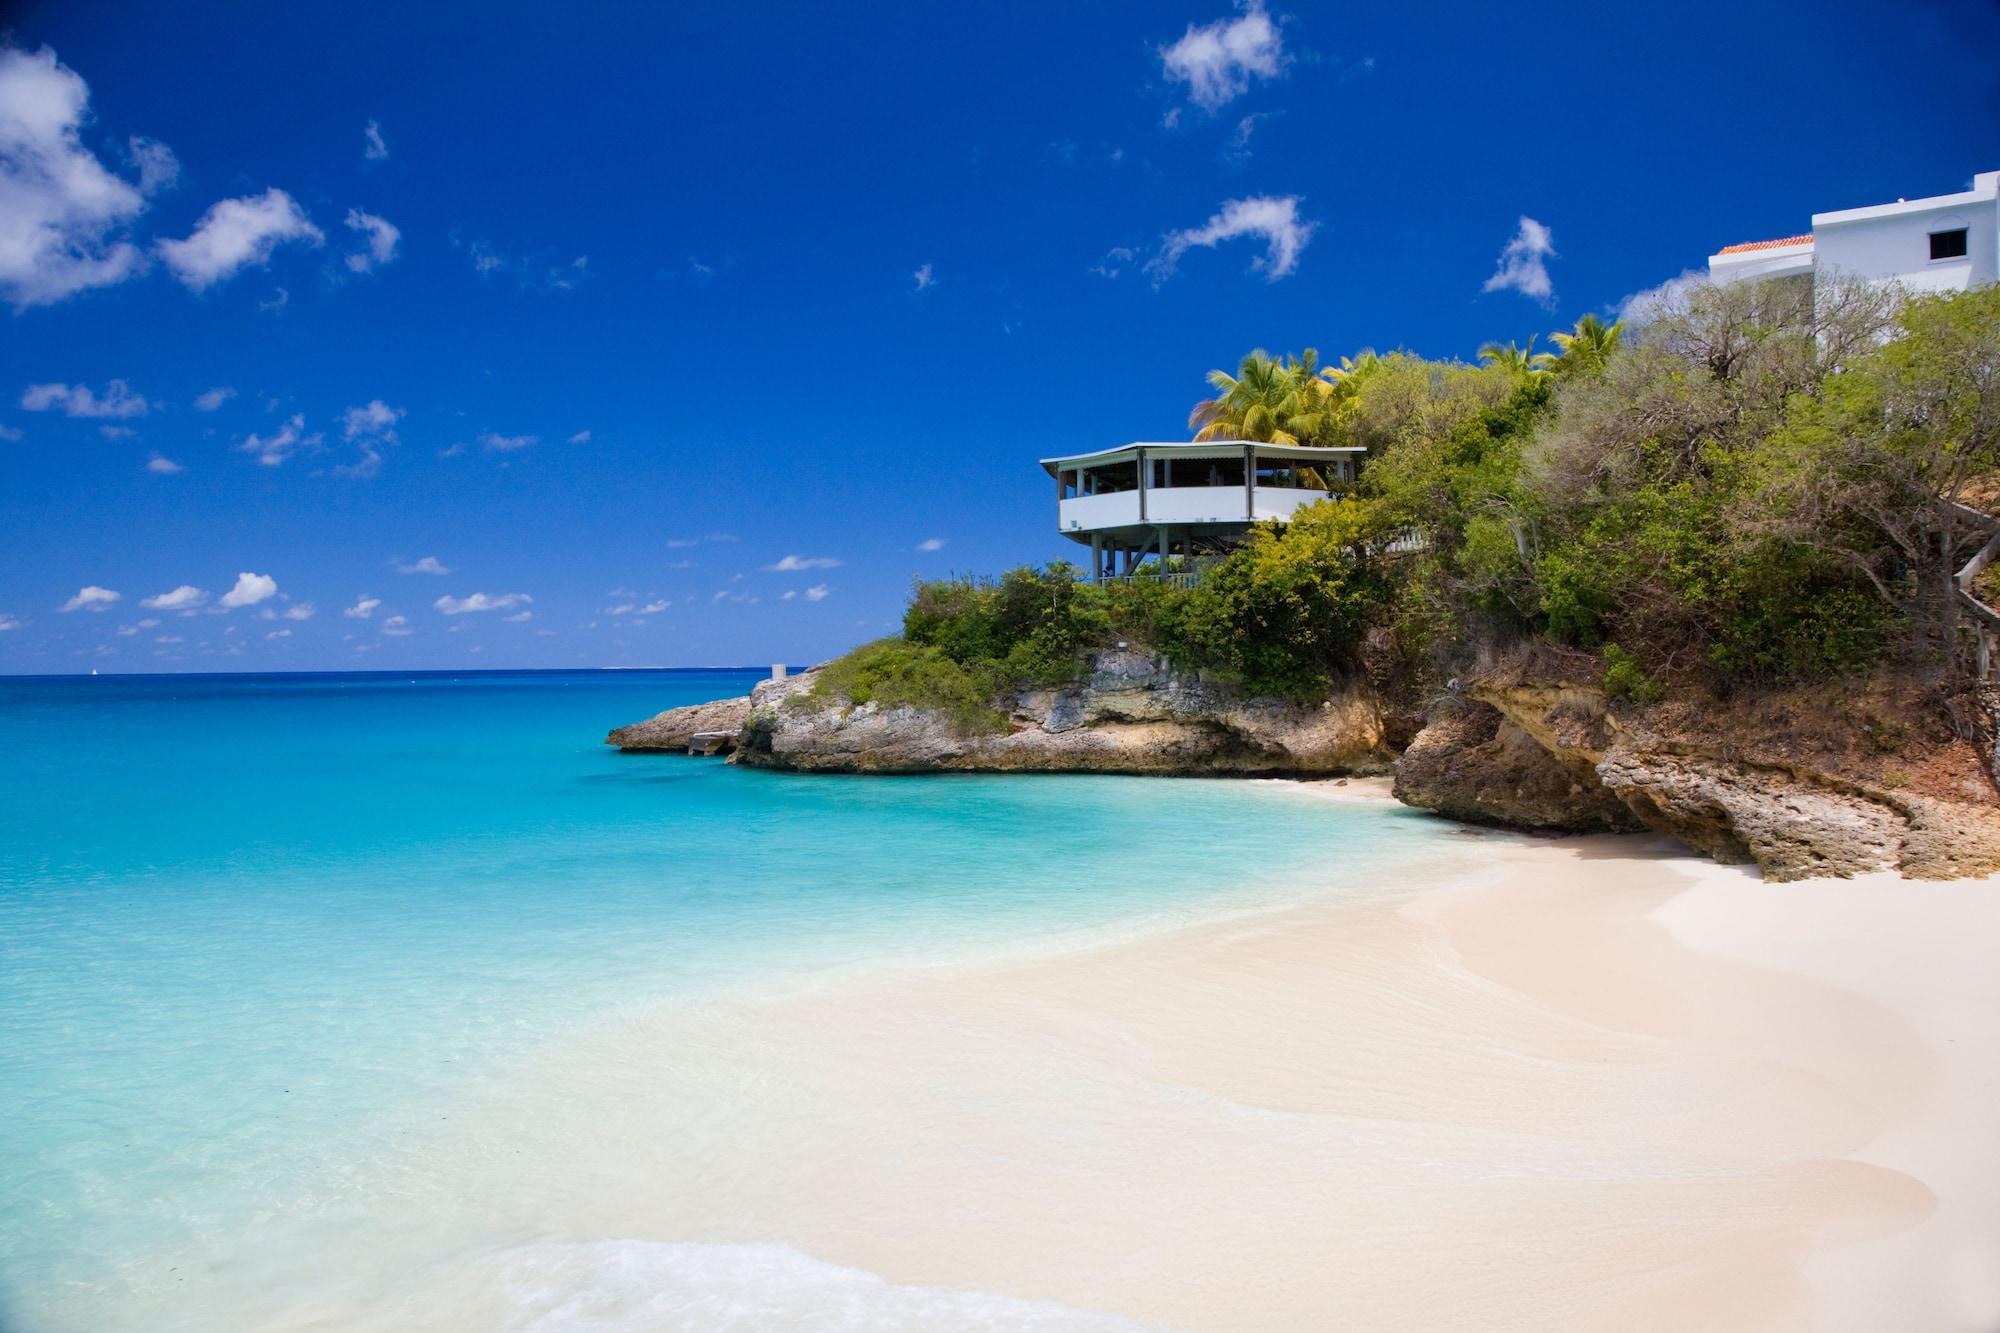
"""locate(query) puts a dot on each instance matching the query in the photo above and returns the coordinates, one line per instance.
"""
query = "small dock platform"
(711, 742)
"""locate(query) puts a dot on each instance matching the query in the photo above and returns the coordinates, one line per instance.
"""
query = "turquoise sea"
(261, 937)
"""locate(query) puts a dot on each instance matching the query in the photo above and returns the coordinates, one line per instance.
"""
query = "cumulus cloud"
(250, 589)
(60, 209)
(924, 278)
(77, 400)
(373, 149)
(1646, 307)
(91, 598)
(931, 544)
(1272, 219)
(363, 608)
(429, 564)
(581, 437)
(1524, 263)
(817, 593)
(793, 564)
(236, 233)
(706, 539)
(1218, 60)
(519, 617)
(382, 236)
(9, 622)
(211, 399)
(396, 627)
(370, 427)
(279, 634)
(156, 164)
(480, 601)
(9, 434)
(162, 466)
(117, 432)
(184, 598)
(298, 611)
(273, 449)
(493, 442)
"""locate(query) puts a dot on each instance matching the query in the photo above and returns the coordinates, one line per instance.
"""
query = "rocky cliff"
(1132, 713)
(1714, 782)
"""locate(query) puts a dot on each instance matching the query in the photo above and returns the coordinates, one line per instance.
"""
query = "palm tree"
(1514, 358)
(1585, 347)
(1266, 400)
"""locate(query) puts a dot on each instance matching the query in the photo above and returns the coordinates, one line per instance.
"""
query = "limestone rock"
(1471, 763)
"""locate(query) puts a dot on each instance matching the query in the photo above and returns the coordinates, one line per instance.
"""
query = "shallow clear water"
(244, 918)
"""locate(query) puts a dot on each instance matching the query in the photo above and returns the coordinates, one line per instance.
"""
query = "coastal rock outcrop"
(1719, 795)
(1132, 713)
(676, 728)
(1471, 763)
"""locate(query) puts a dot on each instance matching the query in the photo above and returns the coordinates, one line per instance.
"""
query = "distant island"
(1728, 578)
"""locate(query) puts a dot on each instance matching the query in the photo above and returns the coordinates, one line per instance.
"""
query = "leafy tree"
(1584, 349)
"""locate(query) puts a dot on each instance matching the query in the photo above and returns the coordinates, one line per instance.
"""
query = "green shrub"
(894, 673)
(1624, 678)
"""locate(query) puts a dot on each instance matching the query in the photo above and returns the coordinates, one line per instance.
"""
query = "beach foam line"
(640, 1286)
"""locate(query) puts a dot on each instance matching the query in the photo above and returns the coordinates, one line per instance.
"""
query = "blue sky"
(436, 336)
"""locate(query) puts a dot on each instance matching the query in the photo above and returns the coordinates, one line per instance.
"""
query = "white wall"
(1898, 248)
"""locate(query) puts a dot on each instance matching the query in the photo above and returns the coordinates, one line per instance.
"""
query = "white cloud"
(9, 622)
(791, 594)
(396, 627)
(279, 634)
(706, 539)
(1523, 264)
(250, 589)
(280, 298)
(372, 147)
(792, 564)
(184, 598)
(1273, 219)
(817, 593)
(76, 400)
(931, 544)
(1645, 307)
(272, 450)
(300, 611)
(213, 398)
(158, 168)
(581, 437)
(374, 419)
(519, 617)
(59, 206)
(117, 432)
(9, 434)
(506, 444)
(429, 564)
(1114, 261)
(479, 601)
(363, 608)
(924, 278)
(383, 236)
(91, 598)
(161, 465)
(1218, 60)
(236, 233)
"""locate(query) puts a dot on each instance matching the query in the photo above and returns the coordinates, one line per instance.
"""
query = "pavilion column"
(1096, 557)
(1250, 483)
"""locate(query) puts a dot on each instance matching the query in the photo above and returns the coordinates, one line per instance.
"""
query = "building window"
(1948, 244)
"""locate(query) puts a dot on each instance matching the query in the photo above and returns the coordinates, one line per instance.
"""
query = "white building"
(1946, 243)
(1156, 499)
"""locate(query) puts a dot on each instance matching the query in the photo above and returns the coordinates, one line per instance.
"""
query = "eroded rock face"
(1471, 763)
(1131, 714)
(672, 730)
(1792, 821)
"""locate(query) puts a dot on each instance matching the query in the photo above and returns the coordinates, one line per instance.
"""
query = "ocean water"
(262, 938)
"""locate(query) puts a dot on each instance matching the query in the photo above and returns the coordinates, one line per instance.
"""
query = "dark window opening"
(1948, 244)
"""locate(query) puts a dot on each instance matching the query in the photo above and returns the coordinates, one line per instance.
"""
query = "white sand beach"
(1612, 1087)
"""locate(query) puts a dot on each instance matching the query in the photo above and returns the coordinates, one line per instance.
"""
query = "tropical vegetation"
(1753, 487)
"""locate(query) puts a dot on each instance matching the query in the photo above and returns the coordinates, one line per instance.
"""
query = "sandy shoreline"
(1604, 1087)
(1609, 1088)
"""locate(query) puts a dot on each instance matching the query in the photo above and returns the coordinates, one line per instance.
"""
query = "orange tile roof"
(1778, 244)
